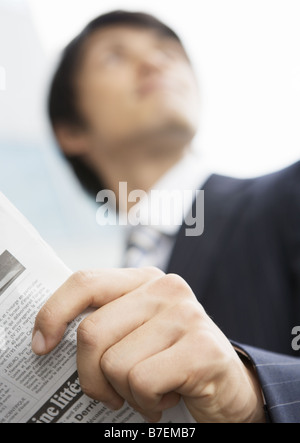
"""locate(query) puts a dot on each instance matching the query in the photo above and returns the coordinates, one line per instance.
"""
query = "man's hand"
(149, 342)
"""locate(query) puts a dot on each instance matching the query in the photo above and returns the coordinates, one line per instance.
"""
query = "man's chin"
(178, 133)
(160, 138)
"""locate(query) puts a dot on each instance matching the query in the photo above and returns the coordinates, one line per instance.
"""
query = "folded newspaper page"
(42, 389)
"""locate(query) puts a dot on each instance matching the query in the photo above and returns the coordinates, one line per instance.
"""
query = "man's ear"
(73, 140)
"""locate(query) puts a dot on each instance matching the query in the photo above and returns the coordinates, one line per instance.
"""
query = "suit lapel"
(195, 258)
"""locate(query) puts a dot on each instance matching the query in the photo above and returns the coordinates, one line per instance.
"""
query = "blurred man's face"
(134, 84)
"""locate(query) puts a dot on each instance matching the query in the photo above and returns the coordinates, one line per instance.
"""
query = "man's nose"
(151, 61)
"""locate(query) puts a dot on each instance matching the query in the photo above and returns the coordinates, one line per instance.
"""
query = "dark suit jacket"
(245, 271)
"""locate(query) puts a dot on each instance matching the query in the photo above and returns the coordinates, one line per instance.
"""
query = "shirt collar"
(171, 198)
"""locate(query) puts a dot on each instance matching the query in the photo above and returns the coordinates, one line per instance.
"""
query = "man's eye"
(111, 58)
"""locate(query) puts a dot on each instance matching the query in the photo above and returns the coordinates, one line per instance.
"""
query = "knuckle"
(173, 289)
(206, 342)
(186, 318)
(137, 380)
(189, 312)
(82, 278)
(152, 270)
(134, 405)
(95, 392)
(111, 366)
(86, 334)
(143, 391)
(170, 289)
(176, 281)
(90, 391)
(222, 351)
(175, 285)
(210, 391)
(203, 340)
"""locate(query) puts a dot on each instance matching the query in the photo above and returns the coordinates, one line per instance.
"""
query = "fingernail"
(111, 406)
(38, 343)
(147, 419)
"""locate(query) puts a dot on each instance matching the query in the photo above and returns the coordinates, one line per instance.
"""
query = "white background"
(247, 55)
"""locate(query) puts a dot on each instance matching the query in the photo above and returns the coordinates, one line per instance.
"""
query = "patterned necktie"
(142, 247)
(148, 246)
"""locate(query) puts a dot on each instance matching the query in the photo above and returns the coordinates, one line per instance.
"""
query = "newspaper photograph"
(10, 269)
(44, 389)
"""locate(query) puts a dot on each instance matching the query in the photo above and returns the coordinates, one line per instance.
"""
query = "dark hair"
(62, 106)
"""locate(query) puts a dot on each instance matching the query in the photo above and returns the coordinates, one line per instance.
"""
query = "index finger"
(82, 290)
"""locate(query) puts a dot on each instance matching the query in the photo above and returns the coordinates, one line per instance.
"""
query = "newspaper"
(42, 389)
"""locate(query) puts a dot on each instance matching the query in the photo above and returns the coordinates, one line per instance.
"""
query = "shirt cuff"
(245, 357)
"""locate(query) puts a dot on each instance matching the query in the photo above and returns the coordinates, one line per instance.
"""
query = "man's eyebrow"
(117, 42)
(111, 43)
(113, 46)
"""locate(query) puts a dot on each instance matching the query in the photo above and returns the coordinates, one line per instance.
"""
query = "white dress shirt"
(151, 242)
